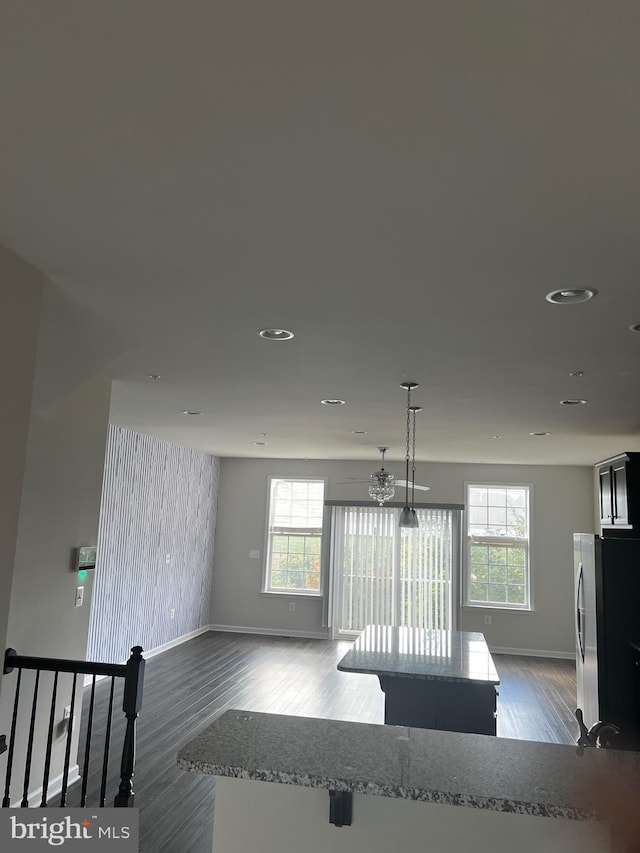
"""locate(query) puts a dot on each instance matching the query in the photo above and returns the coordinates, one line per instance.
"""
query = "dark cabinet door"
(606, 494)
(636, 698)
(619, 485)
(619, 492)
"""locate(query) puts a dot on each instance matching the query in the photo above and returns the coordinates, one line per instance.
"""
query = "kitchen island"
(431, 679)
(289, 784)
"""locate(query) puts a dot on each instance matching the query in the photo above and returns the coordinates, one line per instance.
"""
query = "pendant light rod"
(414, 411)
(406, 457)
(408, 515)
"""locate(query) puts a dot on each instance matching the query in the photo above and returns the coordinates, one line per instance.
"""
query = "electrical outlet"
(172, 613)
(487, 619)
(292, 605)
(254, 555)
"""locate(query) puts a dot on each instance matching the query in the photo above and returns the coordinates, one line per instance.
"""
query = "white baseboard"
(534, 653)
(54, 788)
(150, 653)
(317, 635)
(271, 632)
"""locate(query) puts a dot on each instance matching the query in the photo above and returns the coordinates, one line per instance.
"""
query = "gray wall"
(562, 503)
(60, 498)
(59, 511)
(155, 545)
(20, 305)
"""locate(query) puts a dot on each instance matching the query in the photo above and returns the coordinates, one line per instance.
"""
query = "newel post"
(131, 704)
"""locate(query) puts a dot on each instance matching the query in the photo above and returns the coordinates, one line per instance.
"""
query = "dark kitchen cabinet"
(635, 651)
(619, 492)
(452, 706)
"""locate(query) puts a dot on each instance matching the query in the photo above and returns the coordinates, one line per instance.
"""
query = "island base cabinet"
(276, 818)
(451, 706)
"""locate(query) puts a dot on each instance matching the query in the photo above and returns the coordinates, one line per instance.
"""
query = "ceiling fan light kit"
(381, 488)
(382, 483)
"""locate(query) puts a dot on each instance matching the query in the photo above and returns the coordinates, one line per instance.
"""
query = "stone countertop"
(421, 653)
(522, 777)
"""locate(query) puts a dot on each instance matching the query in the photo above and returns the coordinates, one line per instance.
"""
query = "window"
(294, 536)
(498, 553)
(385, 575)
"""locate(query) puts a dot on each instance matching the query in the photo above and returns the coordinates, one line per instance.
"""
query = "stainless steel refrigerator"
(607, 620)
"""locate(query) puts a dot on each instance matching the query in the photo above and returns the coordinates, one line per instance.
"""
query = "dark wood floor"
(186, 687)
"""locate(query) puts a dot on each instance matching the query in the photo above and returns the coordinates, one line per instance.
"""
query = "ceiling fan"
(382, 483)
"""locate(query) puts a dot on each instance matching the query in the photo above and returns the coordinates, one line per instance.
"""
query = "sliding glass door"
(386, 575)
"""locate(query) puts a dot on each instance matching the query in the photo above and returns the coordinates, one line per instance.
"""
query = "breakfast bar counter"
(291, 783)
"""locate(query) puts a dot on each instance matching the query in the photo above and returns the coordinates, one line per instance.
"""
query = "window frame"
(466, 602)
(267, 588)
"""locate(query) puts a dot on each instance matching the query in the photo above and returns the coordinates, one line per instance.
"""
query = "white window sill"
(498, 607)
(272, 593)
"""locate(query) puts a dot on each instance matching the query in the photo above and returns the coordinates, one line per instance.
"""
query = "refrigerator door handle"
(580, 613)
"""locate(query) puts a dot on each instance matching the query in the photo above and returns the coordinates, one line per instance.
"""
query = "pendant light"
(408, 517)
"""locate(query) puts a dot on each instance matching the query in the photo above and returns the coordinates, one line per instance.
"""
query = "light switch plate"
(79, 596)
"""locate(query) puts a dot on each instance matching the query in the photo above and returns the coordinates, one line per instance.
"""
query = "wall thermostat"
(85, 558)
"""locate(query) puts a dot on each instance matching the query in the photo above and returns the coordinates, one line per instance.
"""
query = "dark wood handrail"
(12, 660)
(132, 673)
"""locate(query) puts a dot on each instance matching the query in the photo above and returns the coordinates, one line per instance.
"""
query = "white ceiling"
(398, 183)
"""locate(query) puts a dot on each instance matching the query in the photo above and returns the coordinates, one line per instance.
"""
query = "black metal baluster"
(47, 760)
(12, 743)
(131, 705)
(133, 674)
(32, 727)
(67, 752)
(87, 746)
(107, 741)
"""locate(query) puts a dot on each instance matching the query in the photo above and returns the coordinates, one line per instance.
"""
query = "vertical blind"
(386, 575)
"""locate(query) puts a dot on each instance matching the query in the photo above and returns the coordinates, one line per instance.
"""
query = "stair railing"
(133, 674)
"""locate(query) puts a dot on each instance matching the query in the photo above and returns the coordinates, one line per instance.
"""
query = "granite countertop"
(421, 653)
(523, 777)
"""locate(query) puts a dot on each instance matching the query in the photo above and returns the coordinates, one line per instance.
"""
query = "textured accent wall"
(155, 544)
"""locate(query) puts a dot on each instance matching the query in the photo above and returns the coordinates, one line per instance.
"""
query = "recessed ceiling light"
(539, 433)
(573, 402)
(260, 443)
(333, 402)
(564, 297)
(276, 334)
(634, 327)
(191, 412)
(359, 432)
(577, 374)
(497, 436)
(154, 376)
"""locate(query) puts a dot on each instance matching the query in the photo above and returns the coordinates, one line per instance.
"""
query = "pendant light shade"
(408, 517)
